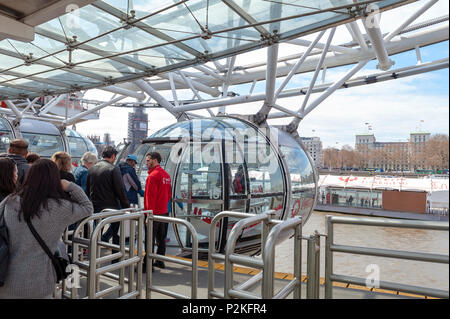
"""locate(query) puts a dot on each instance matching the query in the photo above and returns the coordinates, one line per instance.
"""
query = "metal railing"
(331, 247)
(269, 260)
(127, 254)
(271, 230)
(151, 256)
(125, 260)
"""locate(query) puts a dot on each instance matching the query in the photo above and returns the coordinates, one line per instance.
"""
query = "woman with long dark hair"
(8, 177)
(50, 204)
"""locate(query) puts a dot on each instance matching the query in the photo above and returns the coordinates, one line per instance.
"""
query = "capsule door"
(198, 191)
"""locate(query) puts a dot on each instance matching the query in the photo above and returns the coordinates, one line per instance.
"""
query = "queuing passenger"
(156, 198)
(18, 150)
(88, 160)
(131, 182)
(32, 157)
(8, 177)
(51, 205)
(239, 181)
(64, 163)
(104, 186)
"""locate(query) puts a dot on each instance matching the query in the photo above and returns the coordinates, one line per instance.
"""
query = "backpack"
(4, 246)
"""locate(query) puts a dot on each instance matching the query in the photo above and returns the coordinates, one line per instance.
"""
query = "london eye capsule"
(229, 164)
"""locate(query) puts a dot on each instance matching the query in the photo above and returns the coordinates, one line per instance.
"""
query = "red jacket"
(157, 190)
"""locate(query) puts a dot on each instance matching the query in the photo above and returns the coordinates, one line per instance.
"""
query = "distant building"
(396, 156)
(99, 145)
(314, 147)
(137, 128)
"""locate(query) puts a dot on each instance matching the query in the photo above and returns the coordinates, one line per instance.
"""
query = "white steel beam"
(316, 72)
(15, 30)
(298, 64)
(335, 48)
(197, 85)
(376, 38)
(47, 107)
(174, 91)
(226, 84)
(354, 30)
(147, 88)
(76, 118)
(408, 21)
(122, 91)
(14, 109)
(271, 77)
(30, 105)
(336, 85)
(54, 10)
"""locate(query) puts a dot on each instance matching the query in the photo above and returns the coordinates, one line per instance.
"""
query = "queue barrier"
(127, 254)
(152, 256)
(271, 231)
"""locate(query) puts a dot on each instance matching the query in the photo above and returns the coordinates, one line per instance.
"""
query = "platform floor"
(177, 278)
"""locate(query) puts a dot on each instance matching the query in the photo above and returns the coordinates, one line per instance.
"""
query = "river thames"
(425, 274)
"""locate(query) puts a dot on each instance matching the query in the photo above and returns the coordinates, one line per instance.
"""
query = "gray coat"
(30, 271)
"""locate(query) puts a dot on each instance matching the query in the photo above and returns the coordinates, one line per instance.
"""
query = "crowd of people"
(47, 194)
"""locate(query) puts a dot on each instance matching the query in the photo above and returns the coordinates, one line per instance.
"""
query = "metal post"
(328, 258)
(148, 251)
(298, 260)
(312, 291)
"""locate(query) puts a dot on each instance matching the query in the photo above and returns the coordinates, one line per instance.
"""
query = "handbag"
(4, 247)
(59, 259)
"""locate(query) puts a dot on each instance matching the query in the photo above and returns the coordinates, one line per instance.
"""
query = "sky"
(393, 108)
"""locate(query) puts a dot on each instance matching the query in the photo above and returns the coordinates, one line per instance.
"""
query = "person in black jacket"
(8, 177)
(18, 149)
(104, 186)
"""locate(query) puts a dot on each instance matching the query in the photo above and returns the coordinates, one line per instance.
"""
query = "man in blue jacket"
(131, 181)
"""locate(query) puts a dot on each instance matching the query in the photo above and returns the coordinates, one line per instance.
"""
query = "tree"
(436, 152)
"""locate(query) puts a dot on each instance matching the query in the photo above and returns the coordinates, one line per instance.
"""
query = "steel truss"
(211, 82)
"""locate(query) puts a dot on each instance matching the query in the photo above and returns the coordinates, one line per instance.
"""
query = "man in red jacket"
(156, 198)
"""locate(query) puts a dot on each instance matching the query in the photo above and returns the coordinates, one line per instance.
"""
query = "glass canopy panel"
(142, 8)
(40, 86)
(86, 23)
(68, 77)
(13, 92)
(6, 61)
(169, 32)
(106, 68)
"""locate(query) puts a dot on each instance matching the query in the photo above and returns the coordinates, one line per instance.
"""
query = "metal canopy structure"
(111, 41)
(139, 49)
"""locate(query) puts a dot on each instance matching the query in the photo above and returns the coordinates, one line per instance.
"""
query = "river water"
(425, 274)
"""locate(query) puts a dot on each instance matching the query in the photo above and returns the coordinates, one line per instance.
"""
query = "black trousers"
(159, 237)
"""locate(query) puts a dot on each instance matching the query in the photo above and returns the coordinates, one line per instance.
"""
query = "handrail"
(212, 254)
(269, 260)
(230, 257)
(425, 257)
(94, 272)
(78, 239)
(150, 256)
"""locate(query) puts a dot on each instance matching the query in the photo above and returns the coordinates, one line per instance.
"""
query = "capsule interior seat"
(229, 164)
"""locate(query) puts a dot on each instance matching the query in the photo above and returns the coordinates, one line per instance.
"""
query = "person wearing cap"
(17, 151)
(131, 182)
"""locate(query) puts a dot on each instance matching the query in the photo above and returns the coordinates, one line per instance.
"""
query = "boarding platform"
(107, 271)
